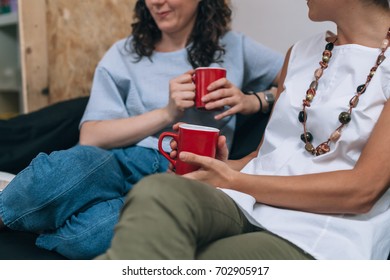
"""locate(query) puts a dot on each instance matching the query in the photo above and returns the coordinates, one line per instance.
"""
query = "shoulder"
(117, 51)
(311, 43)
(234, 38)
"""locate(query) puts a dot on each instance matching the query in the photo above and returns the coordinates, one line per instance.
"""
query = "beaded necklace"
(344, 117)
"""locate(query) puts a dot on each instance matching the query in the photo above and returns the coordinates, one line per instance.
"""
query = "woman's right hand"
(181, 95)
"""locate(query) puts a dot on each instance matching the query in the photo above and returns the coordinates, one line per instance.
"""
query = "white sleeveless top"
(365, 236)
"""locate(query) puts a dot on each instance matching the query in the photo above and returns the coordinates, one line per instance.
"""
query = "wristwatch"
(270, 98)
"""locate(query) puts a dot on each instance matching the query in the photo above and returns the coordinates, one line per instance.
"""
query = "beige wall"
(276, 23)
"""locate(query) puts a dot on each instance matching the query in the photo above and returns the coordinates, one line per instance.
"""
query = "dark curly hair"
(203, 46)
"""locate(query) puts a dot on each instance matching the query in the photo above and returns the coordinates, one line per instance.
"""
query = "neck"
(363, 27)
(170, 43)
(175, 40)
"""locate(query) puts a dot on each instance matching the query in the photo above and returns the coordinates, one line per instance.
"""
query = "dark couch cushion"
(52, 128)
(21, 246)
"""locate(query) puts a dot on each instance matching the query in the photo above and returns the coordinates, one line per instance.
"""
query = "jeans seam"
(56, 197)
(62, 237)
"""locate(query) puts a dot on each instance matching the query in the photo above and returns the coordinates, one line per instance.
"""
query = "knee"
(157, 185)
(73, 158)
(160, 188)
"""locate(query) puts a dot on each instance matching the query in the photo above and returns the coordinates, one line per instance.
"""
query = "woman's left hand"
(223, 93)
(212, 171)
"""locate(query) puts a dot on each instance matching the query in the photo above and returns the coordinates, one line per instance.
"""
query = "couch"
(56, 128)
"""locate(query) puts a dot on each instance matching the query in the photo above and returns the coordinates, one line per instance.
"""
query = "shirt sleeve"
(261, 64)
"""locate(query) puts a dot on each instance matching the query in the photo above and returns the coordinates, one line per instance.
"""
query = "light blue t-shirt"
(123, 87)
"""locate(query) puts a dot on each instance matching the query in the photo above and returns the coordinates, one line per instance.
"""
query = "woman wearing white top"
(318, 187)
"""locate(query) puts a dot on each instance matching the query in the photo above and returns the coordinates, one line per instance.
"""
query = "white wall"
(275, 23)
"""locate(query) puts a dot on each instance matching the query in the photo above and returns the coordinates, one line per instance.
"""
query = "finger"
(216, 95)
(173, 154)
(185, 104)
(220, 83)
(221, 141)
(183, 95)
(195, 175)
(210, 105)
(181, 88)
(173, 144)
(222, 151)
(191, 72)
(226, 113)
(191, 158)
(175, 127)
(184, 78)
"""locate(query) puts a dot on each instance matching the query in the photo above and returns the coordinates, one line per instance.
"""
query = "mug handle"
(160, 148)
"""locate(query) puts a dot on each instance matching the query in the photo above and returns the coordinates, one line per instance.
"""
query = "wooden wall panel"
(61, 42)
(79, 33)
(33, 54)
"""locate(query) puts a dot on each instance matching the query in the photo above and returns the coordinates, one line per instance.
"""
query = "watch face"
(269, 97)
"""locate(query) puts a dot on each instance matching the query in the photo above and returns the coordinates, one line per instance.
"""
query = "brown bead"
(323, 64)
(322, 149)
(318, 73)
(306, 103)
(327, 53)
(311, 91)
(354, 101)
(310, 148)
(385, 44)
(335, 136)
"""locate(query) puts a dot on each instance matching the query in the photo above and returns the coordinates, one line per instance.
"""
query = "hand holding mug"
(202, 78)
(200, 140)
(181, 95)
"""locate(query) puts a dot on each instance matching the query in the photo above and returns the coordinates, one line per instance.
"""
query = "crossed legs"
(169, 217)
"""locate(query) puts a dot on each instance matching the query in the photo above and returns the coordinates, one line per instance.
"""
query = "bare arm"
(124, 132)
(345, 191)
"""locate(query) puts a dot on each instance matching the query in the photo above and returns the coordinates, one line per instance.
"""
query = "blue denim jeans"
(73, 197)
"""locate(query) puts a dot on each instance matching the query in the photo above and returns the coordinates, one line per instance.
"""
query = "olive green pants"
(170, 217)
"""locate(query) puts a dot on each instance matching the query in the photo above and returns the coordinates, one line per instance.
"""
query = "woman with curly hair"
(142, 86)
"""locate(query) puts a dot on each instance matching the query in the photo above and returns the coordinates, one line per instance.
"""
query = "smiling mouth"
(163, 14)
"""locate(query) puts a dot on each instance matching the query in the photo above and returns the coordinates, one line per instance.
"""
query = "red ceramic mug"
(202, 78)
(197, 139)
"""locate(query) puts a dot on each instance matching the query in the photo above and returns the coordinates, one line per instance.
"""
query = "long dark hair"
(203, 46)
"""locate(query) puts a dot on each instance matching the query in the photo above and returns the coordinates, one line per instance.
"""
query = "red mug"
(197, 139)
(202, 78)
